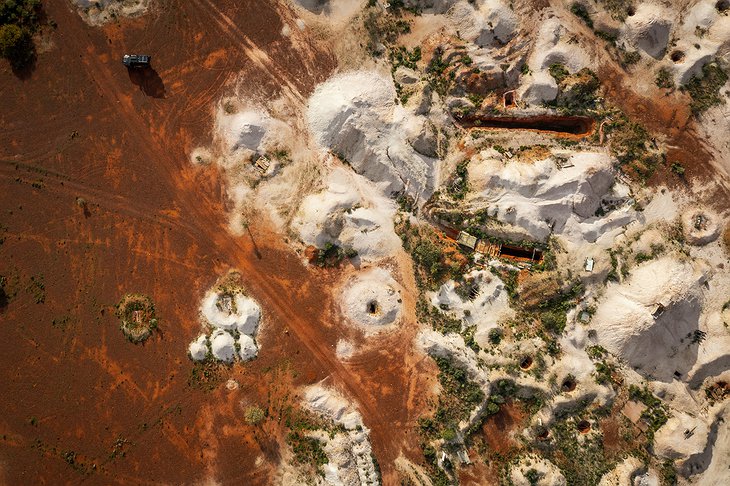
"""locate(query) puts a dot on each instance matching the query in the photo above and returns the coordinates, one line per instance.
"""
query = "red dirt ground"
(497, 444)
(81, 404)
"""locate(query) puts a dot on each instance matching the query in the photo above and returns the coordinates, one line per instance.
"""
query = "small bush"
(558, 71)
(664, 78)
(254, 415)
(705, 89)
(554, 321)
(580, 11)
(632, 57)
(678, 169)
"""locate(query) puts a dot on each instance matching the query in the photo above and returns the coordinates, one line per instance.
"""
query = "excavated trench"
(569, 125)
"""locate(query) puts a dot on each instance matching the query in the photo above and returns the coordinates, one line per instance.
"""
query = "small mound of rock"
(223, 346)
(372, 299)
(199, 348)
(649, 30)
(234, 319)
(98, 12)
(701, 226)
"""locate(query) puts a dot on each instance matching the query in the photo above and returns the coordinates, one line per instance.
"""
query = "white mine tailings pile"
(551, 47)
(536, 200)
(350, 213)
(244, 131)
(480, 300)
(650, 319)
(234, 319)
(488, 23)
(649, 30)
(372, 300)
(355, 115)
(547, 472)
(349, 453)
(98, 12)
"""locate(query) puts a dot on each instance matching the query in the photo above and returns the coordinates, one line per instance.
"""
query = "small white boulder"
(198, 349)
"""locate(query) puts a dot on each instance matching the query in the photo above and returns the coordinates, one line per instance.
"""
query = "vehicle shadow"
(148, 81)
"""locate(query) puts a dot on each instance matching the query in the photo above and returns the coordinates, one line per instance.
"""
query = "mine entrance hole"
(584, 426)
(568, 385)
(521, 252)
(373, 307)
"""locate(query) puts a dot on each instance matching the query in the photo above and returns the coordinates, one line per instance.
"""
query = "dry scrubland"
(497, 233)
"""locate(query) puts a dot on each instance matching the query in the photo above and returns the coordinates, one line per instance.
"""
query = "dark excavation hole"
(572, 125)
(677, 56)
(584, 426)
(373, 307)
(521, 252)
(526, 363)
(568, 385)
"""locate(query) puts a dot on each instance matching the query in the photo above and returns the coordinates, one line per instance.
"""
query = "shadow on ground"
(148, 81)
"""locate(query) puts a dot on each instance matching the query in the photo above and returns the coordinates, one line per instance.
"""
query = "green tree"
(16, 45)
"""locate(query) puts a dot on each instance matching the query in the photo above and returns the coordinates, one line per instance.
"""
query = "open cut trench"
(569, 125)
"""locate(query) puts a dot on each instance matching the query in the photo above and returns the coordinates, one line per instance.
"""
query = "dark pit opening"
(526, 363)
(723, 5)
(509, 99)
(631, 11)
(572, 125)
(521, 252)
(568, 385)
(542, 433)
(677, 56)
(584, 426)
(373, 307)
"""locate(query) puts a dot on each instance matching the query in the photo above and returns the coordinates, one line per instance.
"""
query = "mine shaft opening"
(584, 426)
(568, 385)
(542, 433)
(571, 125)
(373, 307)
(521, 252)
(526, 363)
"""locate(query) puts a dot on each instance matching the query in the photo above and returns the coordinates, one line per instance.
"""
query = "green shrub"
(18, 22)
(554, 321)
(558, 71)
(16, 45)
(632, 57)
(705, 90)
(580, 11)
(664, 78)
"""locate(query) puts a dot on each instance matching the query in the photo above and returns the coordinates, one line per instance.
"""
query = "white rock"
(237, 312)
(248, 349)
(223, 346)
(198, 349)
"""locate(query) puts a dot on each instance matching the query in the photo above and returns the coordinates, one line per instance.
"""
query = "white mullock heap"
(234, 318)
(372, 300)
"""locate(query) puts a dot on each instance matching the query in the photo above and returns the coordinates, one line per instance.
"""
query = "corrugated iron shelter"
(467, 240)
